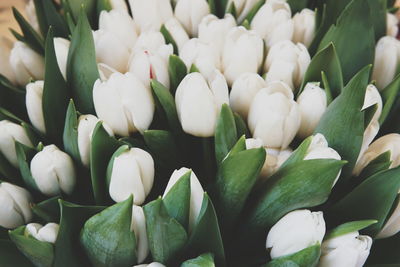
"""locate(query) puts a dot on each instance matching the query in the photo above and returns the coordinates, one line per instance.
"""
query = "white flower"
(153, 264)
(243, 52)
(392, 23)
(196, 193)
(105, 71)
(61, 47)
(312, 104)
(274, 116)
(26, 63)
(34, 106)
(31, 16)
(295, 231)
(392, 225)
(53, 171)
(9, 134)
(177, 32)
(15, 206)
(242, 7)
(150, 14)
(190, 13)
(124, 103)
(304, 27)
(273, 22)
(47, 233)
(5, 67)
(138, 226)
(287, 62)
(198, 102)
(149, 41)
(119, 5)
(132, 173)
(349, 250)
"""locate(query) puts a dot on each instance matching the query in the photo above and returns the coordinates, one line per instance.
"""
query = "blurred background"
(6, 18)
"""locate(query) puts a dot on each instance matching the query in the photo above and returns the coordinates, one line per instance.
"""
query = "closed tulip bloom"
(132, 173)
(243, 52)
(26, 63)
(273, 22)
(153, 264)
(124, 103)
(31, 16)
(15, 206)
(86, 125)
(53, 171)
(177, 32)
(242, 7)
(5, 67)
(304, 27)
(244, 88)
(138, 226)
(199, 101)
(196, 193)
(9, 134)
(274, 116)
(387, 57)
(190, 13)
(392, 23)
(295, 231)
(312, 104)
(47, 233)
(392, 225)
(34, 106)
(149, 41)
(150, 14)
(350, 250)
(61, 47)
(287, 62)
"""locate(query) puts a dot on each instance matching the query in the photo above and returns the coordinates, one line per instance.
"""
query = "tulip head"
(242, 7)
(190, 13)
(372, 97)
(47, 233)
(119, 5)
(177, 32)
(319, 149)
(138, 226)
(149, 41)
(392, 23)
(149, 15)
(34, 104)
(153, 264)
(61, 47)
(304, 27)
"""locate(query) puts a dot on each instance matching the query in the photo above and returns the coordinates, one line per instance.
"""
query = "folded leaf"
(70, 135)
(225, 133)
(307, 257)
(177, 71)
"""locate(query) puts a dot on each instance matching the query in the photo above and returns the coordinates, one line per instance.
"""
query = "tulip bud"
(5, 67)
(31, 16)
(244, 88)
(273, 22)
(274, 116)
(26, 63)
(15, 206)
(201, 54)
(149, 15)
(199, 101)
(53, 171)
(149, 41)
(153, 264)
(287, 62)
(319, 149)
(242, 7)
(47, 233)
(392, 225)
(304, 27)
(190, 13)
(177, 32)
(86, 125)
(119, 5)
(372, 97)
(392, 23)
(312, 104)
(350, 250)
(196, 193)
(138, 226)
(387, 57)
(61, 47)
(9, 134)
(243, 52)
(295, 231)
(34, 106)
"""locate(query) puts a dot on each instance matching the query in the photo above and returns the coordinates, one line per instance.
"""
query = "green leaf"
(12, 98)
(239, 146)
(241, 126)
(166, 236)
(213, 6)
(11, 256)
(117, 153)
(48, 210)
(169, 39)
(49, 17)
(225, 133)
(389, 96)
(254, 11)
(297, 5)
(380, 163)
(204, 260)
(232, 10)
(299, 154)
(75, 7)
(177, 71)
(327, 87)
(162, 146)
(103, 5)
(25, 155)
(348, 228)
(307, 257)
(82, 69)
(378, 9)
(369, 113)
(107, 237)
(70, 135)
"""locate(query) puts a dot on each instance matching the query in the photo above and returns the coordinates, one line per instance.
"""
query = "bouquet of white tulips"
(201, 133)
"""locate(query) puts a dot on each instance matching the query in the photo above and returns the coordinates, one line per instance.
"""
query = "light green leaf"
(225, 133)
(169, 39)
(254, 11)
(204, 260)
(348, 228)
(70, 135)
(307, 257)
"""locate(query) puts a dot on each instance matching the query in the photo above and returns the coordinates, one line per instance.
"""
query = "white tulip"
(349, 250)
(132, 173)
(177, 32)
(287, 62)
(244, 88)
(242, 7)
(53, 171)
(47, 233)
(304, 27)
(119, 5)
(86, 125)
(202, 55)
(312, 104)
(150, 14)
(5, 67)
(26, 63)
(61, 47)
(138, 226)
(372, 97)
(319, 149)
(190, 13)
(199, 101)
(196, 193)
(9, 134)
(392, 23)
(31, 16)
(124, 103)
(153, 264)
(15, 206)
(105, 71)
(34, 104)
(273, 22)
(389, 142)
(274, 116)
(243, 52)
(149, 41)
(387, 58)
(295, 231)
(392, 225)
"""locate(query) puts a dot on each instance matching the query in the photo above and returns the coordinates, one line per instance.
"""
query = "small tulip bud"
(177, 32)
(295, 231)
(242, 7)
(149, 15)
(15, 206)
(34, 106)
(199, 101)
(312, 104)
(47, 233)
(392, 23)
(9, 134)
(190, 13)
(61, 47)
(274, 116)
(149, 41)
(31, 16)
(138, 226)
(124, 103)
(304, 27)
(5, 67)
(350, 250)
(53, 171)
